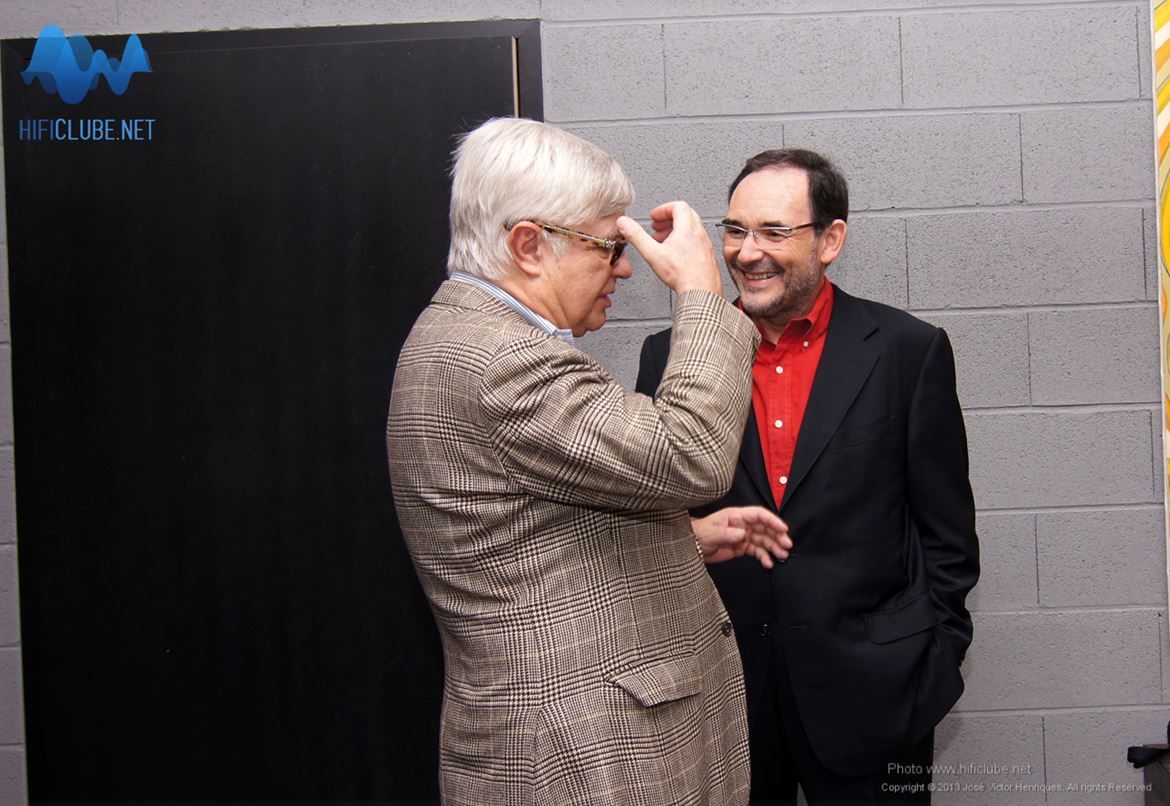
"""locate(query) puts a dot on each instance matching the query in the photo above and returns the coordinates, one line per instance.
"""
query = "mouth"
(758, 274)
(757, 279)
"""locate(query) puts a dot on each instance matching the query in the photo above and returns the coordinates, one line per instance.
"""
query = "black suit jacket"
(870, 606)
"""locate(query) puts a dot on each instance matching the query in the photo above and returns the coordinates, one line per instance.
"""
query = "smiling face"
(779, 281)
(581, 280)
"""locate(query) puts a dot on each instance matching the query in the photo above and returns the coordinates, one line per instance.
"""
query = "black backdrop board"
(216, 602)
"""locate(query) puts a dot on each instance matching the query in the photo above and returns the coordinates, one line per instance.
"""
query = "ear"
(527, 244)
(832, 241)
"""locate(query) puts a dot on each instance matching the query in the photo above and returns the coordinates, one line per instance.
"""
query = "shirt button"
(779, 370)
(765, 630)
(783, 479)
(725, 628)
(806, 344)
(779, 423)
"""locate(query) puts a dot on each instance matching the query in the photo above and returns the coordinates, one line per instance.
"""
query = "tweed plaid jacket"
(588, 656)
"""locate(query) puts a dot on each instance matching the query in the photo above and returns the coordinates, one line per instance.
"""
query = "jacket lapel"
(751, 457)
(845, 365)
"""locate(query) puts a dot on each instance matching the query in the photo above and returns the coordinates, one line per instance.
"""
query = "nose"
(749, 250)
(622, 268)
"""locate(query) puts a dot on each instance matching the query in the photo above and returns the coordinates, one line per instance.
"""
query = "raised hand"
(679, 251)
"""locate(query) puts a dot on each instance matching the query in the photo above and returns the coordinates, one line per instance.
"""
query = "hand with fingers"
(679, 251)
(736, 531)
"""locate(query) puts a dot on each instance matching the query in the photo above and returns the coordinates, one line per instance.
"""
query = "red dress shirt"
(782, 380)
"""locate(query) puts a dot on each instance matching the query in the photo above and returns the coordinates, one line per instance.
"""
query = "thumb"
(633, 232)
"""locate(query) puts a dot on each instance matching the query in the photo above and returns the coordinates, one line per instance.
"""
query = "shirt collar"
(822, 308)
(810, 326)
(535, 319)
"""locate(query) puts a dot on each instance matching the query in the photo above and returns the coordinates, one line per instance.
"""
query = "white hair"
(512, 169)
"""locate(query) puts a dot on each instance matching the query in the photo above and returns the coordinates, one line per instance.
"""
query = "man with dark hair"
(851, 648)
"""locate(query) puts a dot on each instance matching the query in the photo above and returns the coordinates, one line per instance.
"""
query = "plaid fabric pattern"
(588, 656)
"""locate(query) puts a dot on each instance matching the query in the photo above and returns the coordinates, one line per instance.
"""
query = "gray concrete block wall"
(812, 48)
(1008, 580)
(976, 57)
(1064, 144)
(1068, 732)
(1064, 658)
(877, 247)
(1002, 258)
(1062, 373)
(956, 160)
(655, 151)
(999, 156)
(992, 362)
(1023, 459)
(1072, 572)
(1018, 759)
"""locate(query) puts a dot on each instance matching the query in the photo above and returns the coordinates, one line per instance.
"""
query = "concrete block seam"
(906, 256)
(1137, 39)
(1020, 130)
(877, 112)
(1065, 408)
(1036, 546)
(1048, 307)
(1044, 749)
(1059, 711)
(1028, 336)
(1059, 509)
(1160, 615)
(901, 65)
(665, 72)
(1080, 610)
(1145, 255)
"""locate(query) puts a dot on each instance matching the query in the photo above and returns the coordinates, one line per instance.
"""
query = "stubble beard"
(800, 291)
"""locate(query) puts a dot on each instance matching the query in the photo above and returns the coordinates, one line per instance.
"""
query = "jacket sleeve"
(565, 431)
(941, 503)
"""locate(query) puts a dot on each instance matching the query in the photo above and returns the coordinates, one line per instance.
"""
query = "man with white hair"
(588, 657)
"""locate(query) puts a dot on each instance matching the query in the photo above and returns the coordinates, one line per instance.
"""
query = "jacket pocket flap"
(661, 681)
(914, 616)
(859, 435)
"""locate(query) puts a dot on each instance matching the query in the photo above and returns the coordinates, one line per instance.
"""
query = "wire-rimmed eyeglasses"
(765, 236)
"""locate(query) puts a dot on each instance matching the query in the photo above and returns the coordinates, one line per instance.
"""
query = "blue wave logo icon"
(68, 66)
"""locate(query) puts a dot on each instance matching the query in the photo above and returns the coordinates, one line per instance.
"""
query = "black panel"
(216, 601)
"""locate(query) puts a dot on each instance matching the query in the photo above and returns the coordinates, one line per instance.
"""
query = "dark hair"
(828, 193)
